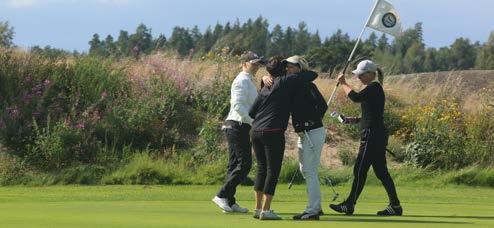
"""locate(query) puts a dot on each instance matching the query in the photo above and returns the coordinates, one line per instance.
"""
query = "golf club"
(335, 194)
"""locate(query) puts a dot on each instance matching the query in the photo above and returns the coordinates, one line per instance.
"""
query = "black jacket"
(308, 108)
(272, 107)
(371, 100)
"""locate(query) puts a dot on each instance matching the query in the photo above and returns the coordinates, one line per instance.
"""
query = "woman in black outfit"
(270, 112)
(373, 140)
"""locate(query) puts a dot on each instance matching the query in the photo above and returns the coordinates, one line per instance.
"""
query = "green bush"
(209, 146)
(472, 176)
(288, 169)
(397, 148)
(13, 171)
(346, 155)
(59, 146)
(81, 174)
(214, 99)
(480, 137)
(61, 112)
(435, 135)
(144, 169)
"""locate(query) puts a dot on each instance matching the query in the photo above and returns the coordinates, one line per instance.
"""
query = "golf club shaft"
(293, 178)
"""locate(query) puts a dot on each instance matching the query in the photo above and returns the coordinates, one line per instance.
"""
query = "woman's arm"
(354, 96)
(239, 100)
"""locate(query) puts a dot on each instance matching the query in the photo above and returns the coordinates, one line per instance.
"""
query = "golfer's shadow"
(436, 216)
(396, 219)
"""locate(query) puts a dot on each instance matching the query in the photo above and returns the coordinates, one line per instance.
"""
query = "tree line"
(405, 54)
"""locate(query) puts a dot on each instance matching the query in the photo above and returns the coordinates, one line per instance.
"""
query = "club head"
(290, 185)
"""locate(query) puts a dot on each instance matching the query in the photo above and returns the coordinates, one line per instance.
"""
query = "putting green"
(191, 206)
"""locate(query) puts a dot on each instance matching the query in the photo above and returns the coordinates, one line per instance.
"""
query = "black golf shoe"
(343, 207)
(391, 211)
(306, 216)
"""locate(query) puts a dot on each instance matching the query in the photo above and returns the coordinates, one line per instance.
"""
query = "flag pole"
(353, 51)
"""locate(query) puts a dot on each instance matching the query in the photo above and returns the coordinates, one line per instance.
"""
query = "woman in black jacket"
(270, 112)
(307, 111)
(373, 142)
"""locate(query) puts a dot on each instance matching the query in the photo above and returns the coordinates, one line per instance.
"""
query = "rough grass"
(190, 206)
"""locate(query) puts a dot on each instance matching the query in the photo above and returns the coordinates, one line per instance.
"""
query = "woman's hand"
(353, 120)
(341, 79)
(268, 81)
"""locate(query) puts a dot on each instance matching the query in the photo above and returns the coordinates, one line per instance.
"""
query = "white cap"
(364, 67)
(298, 60)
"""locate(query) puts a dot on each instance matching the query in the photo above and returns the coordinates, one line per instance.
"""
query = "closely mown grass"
(191, 206)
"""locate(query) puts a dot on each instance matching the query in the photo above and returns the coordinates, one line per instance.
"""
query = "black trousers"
(269, 148)
(240, 160)
(372, 152)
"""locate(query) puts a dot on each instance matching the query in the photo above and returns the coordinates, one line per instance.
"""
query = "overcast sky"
(70, 24)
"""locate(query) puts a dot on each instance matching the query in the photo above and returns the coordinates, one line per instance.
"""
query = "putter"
(335, 194)
(293, 178)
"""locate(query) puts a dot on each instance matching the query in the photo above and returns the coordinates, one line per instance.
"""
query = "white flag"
(384, 18)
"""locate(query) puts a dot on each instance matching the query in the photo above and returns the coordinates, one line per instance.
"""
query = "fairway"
(190, 206)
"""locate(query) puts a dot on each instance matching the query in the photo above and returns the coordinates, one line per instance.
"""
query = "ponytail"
(380, 75)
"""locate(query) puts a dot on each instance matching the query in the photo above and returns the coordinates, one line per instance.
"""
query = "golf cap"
(298, 60)
(364, 67)
(251, 57)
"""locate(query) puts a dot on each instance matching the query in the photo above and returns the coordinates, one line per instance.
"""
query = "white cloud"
(33, 3)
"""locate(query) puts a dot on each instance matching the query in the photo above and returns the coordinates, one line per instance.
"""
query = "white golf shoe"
(238, 209)
(269, 215)
(222, 203)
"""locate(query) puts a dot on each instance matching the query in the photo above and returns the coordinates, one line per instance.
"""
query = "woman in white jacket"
(237, 128)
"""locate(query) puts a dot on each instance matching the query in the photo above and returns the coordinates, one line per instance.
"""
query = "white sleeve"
(239, 100)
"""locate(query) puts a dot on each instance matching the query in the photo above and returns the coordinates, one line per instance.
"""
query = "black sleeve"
(255, 107)
(319, 100)
(303, 76)
(362, 95)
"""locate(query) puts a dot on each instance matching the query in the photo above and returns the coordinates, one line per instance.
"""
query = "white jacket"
(243, 94)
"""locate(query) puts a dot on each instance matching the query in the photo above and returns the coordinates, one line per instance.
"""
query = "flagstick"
(353, 51)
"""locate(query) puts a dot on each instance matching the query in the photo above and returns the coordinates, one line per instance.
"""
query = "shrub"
(81, 174)
(480, 137)
(59, 146)
(13, 171)
(396, 146)
(472, 176)
(209, 146)
(346, 155)
(288, 169)
(435, 135)
(143, 169)
(215, 98)
(61, 112)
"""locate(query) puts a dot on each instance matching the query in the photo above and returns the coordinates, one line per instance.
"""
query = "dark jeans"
(269, 148)
(372, 151)
(240, 161)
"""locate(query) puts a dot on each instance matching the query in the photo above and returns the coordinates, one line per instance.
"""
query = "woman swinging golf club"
(374, 137)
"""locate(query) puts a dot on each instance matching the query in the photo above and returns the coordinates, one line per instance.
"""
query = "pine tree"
(95, 45)
(302, 39)
(6, 34)
(275, 42)
(485, 58)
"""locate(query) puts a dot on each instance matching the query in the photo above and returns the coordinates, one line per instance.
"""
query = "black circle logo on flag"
(389, 20)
